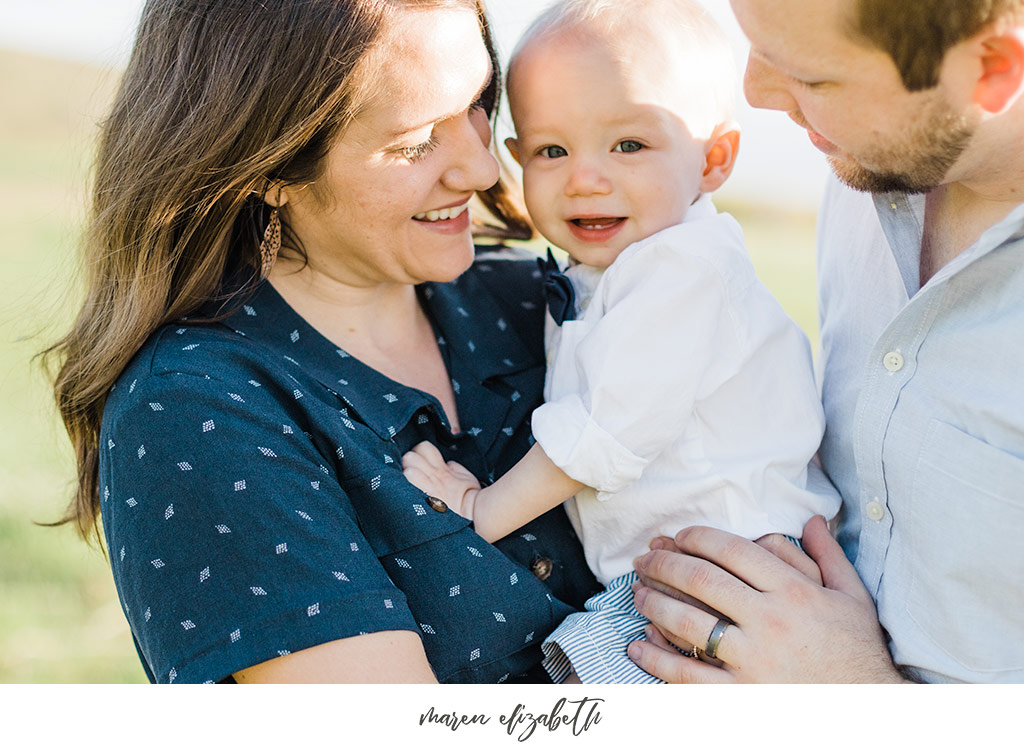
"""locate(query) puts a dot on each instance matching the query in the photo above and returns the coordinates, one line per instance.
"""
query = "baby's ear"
(719, 156)
(512, 145)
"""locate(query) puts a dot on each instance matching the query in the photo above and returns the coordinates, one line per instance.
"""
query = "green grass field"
(60, 621)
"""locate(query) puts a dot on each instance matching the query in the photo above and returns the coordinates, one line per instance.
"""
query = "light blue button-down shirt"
(923, 388)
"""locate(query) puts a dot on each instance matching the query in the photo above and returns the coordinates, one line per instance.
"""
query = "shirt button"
(875, 511)
(437, 504)
(893, 361)
(541, 568)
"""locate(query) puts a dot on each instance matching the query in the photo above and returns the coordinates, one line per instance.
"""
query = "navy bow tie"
(558, 290)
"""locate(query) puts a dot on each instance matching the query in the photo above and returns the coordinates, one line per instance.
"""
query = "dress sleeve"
(665, 339)
(230, 538)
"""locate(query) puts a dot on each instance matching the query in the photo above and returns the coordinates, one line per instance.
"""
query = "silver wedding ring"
(715, 638)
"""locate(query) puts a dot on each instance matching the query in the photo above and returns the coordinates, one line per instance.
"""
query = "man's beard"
(920, 162)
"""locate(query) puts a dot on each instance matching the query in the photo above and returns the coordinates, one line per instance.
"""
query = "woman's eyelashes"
(417, 152)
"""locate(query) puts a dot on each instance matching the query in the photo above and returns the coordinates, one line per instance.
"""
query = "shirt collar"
(902, 219)
(477, 340)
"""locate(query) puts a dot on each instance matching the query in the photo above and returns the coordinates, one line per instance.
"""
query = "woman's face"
(391, 204)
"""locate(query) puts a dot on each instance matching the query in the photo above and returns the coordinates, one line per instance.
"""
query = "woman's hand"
(786, 624)
(425, 467)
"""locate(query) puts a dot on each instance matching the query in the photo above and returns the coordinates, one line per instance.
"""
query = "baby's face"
(606, 158)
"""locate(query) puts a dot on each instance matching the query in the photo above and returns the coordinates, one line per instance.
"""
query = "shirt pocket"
(966, 535)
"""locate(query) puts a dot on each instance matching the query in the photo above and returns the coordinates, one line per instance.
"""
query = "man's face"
(849, 97)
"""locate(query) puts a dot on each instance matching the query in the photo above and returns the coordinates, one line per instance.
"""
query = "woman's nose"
(586, 179)
(473, 166)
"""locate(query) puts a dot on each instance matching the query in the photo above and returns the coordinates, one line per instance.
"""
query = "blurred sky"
(777, 165)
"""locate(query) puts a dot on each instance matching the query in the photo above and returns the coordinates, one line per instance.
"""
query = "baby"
(677, 392)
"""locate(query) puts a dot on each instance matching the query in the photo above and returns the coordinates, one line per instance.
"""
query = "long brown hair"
(219, 100)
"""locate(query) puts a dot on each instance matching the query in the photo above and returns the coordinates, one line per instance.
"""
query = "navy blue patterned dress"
(254, 504)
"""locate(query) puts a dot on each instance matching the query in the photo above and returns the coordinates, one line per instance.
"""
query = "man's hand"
(451, 482)
(787, 625)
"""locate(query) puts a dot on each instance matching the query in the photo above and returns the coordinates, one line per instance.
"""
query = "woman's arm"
(532, 487)
(383, 657)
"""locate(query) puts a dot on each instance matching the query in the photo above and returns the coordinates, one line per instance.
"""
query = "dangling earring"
(271, 243)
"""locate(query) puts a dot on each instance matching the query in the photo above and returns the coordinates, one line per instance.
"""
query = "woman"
(239, 404)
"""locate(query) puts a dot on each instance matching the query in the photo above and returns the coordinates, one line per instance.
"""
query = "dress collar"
(477, 341)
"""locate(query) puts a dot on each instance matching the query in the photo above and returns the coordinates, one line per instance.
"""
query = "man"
(920, 110)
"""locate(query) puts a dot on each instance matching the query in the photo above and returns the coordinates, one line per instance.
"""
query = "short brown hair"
(917, 33)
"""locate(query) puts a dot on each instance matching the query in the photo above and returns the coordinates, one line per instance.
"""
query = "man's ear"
(719, 156)
(512, 145)
(1002, 70)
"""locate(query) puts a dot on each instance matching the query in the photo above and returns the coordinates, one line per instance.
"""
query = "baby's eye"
(553, 152)
(628, 145)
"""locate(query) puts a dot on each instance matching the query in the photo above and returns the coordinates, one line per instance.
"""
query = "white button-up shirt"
(923, 390)
(682, 395)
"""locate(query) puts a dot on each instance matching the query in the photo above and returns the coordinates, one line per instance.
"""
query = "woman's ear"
(512, 145)
(1002, 70)
(276, 194)
(719, 156)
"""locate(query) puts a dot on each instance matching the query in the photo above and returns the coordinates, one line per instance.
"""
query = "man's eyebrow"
(487, 82)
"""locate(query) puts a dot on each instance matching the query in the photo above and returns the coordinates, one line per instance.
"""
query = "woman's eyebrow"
(406, 130)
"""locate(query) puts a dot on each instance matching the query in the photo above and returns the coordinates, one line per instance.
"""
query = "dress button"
(437, 504)
(541, 568)
(875, 511)
(893, 361)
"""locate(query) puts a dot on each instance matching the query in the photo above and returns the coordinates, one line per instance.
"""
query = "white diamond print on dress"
(132, 502)
(208, 425)
(462, 311)
(427, 629)
(297, 393)
(188, 625)
(529, 638)
(375, 482)
(353, 547)
(391, 397)
(499, 617)
(513, 579)
(185, 466)
(304, 515)
(236, 397)
(281, 548)
(168, 511)
(122, 554)
(389, 604)
(249, 310)
(148, 614)
(266, 451)
(157, 563)
(110, 444)
(142, 451)
(471, 346)
(294, 335)
(340, 576)
(222, 529)
(529, 537)
(258, 591)
(131, 388)
(402, 563)
(204, 574)
(455, 590)
(315, 484)
(313, 609)
(474, 552)
(502, 325)
(236, 635)
(474, 655)
(239, 485)
(190, 347)
(420, 510)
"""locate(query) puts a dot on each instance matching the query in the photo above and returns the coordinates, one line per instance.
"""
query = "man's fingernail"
(633, 650)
